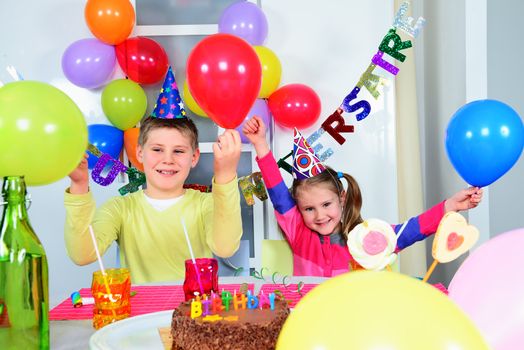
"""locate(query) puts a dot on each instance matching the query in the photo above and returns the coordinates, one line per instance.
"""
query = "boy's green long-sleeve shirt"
(152, 243)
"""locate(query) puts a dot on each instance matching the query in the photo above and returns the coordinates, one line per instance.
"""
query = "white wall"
(444, 91)
(328, 48)
(505, 84)
(442, 77)
(324, 48)
(33, 36)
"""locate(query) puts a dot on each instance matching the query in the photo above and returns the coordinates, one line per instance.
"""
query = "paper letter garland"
(390, 45)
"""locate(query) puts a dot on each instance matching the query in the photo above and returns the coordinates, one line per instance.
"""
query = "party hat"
(305, 163)
(169, 105)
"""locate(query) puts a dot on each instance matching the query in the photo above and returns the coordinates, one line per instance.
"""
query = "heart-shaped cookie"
(453, 238)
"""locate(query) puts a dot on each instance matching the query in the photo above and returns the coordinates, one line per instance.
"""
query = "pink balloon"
(489, 288)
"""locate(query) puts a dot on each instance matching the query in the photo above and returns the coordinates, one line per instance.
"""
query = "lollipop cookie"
(453, 238)
(372, 244)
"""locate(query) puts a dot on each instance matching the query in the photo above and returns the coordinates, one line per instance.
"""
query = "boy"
(148, 224)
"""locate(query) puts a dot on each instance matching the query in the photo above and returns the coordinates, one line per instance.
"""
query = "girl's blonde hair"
(352, 204)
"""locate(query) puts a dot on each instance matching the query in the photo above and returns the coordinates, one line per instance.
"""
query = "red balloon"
(142, 59)
(294, 105)
(224, 77)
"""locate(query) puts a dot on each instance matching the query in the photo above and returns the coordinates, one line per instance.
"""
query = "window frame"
(260, 216)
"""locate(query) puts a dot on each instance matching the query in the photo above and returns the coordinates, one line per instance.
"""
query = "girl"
(318, 214)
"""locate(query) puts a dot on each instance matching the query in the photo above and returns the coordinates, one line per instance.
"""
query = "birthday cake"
(237, 328)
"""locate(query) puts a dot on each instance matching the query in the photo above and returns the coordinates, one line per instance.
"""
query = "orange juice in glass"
(112, 296)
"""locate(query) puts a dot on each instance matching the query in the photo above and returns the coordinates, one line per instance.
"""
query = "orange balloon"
(130, 144)
(110, 21)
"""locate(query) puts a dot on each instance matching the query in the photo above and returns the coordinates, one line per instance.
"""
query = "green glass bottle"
(24, 292)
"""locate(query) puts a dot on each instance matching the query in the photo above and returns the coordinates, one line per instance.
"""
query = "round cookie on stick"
(372, 244)
(453, 238)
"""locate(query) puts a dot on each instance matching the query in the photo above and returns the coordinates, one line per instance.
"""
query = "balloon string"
(126, 61)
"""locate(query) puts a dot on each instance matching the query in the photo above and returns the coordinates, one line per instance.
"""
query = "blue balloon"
(484, 140)
(107, 139)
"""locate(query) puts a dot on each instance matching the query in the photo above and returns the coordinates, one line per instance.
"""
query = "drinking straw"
(192, 257)
(101, 264)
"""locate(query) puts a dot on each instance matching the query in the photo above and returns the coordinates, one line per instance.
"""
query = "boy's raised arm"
(80, 208)
(226, 231)
(227, 154)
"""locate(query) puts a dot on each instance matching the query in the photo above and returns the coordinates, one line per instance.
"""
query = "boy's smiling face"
(167, 156)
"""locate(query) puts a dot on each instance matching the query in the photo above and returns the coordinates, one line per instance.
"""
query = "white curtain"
(409, 171)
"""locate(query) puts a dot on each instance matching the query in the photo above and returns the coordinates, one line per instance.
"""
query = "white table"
(75, 334)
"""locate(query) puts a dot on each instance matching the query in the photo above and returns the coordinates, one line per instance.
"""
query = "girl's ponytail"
(352, 205)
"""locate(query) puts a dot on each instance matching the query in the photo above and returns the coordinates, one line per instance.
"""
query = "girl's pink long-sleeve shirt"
(326, 256)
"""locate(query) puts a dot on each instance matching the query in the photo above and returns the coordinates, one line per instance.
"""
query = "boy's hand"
(80, 177)
(227, 154)
(255, 132)
(464, 199)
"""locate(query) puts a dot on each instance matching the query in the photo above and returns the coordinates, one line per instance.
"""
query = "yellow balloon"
(190, 102)
(378, 310)
(271, 71)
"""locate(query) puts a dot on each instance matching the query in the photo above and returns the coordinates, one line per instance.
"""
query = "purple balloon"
(259, 109)
(245, 20)
(88, 63)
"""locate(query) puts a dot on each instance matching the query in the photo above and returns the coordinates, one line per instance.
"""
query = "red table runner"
(150, 299)
(147, 299)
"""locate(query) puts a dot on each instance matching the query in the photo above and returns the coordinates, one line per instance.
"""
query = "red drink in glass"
(207, 272)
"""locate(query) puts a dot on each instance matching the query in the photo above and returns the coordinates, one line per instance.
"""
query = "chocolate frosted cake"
(247, 329)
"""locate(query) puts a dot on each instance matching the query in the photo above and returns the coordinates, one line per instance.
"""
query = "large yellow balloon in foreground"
(43, 134)
(378, 310)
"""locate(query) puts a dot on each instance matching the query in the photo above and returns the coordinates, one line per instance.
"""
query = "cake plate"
(139, 332)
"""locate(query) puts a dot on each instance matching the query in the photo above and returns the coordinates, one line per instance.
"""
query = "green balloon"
(43, 134)
(124, 102)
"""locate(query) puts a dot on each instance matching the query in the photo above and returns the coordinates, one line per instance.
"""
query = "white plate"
(139, 332)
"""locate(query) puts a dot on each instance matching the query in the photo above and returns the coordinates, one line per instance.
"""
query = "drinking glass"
(207, 270)
(112, 293)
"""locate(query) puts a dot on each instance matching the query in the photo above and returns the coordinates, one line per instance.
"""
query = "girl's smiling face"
(320, 207)
(167, 156)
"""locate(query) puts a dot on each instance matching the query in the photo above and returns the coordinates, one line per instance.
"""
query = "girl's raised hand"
(255, 131)
(465, 199)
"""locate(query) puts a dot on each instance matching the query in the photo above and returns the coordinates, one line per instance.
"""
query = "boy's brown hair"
(184, 125)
